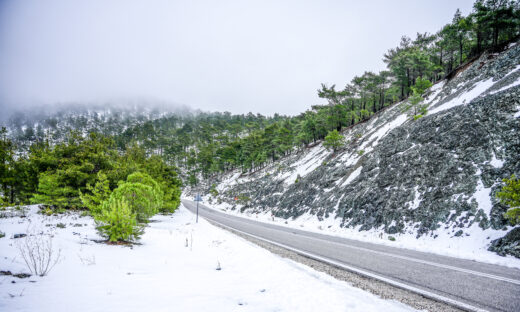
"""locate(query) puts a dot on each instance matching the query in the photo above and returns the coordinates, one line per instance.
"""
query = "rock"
(6, 273)
(507, 245)
(22, 275)
(458, 233)
(19, 235)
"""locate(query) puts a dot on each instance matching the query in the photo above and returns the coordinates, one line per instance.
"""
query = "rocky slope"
(439, 174)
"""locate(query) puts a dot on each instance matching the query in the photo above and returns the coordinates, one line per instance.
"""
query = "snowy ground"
(472, 247)
(162, 274)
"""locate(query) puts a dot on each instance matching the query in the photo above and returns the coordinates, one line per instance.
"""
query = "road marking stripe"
(453, 302)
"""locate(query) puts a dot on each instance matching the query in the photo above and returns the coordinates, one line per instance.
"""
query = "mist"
(238, 56)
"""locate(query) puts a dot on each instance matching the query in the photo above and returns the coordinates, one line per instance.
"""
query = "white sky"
(238, 56)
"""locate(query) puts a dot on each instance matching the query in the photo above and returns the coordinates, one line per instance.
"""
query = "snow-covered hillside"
(429, 183)
(174, 268)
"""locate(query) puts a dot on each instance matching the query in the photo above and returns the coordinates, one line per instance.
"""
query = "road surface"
(464, 282)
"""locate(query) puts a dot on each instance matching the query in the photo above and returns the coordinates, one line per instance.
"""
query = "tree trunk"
(460, 51)
(408, 81)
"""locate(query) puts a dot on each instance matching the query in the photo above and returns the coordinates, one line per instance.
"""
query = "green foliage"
(243, 199)
(145, 179)
(140, 199)
(510, 195)
(415, 101)
(391, 238)
(81, 172)
(333, 140)
(361, 152)
(52, 193)
(63, 172)
(6, 165)
(168, 183)
(117, 222)
(213, 190)
(421, 85)
(96, 194)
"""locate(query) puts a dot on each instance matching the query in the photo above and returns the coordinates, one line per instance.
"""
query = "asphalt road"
(479, 285)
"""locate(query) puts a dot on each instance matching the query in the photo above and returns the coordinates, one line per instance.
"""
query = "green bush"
(333, 141)
(510, 195)
(243, 199)
(98, 193)
(139, 197)
(117, 222)
(51, 193)
(145, 179)
(213, 190)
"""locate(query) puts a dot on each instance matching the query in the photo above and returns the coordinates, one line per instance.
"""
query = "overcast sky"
(238, 56)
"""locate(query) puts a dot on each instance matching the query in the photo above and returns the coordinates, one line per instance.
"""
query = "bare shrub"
(38, 253)
(87, 260)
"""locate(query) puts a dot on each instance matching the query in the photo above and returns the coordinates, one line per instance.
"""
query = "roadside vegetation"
(509, 195)
(121, 188)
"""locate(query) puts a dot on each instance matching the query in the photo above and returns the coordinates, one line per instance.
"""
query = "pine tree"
(96, 194)
(333, 140)
(510, 195)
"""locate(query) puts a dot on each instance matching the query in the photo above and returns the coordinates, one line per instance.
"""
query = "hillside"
(433, 178)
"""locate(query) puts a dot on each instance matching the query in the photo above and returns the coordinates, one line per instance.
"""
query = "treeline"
(65, 175)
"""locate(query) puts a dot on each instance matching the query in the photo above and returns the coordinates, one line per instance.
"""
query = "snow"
(232, 180)
(312, 160)
(162, 274)
(435, 89)
(472, 246)
(496, 163)
(417, 199)
(383, 130)
(352, 176)
(513, 84)
(483, 197)
(465, 97)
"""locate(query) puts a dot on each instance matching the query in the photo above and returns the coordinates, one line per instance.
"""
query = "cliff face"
(440, 172)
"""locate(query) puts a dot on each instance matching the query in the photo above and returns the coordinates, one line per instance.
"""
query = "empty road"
(477, 285)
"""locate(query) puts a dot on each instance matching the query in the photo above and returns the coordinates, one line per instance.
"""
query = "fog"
(237, 56)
